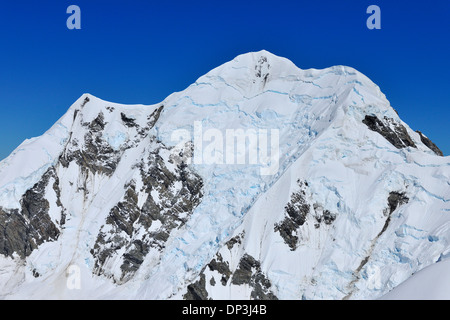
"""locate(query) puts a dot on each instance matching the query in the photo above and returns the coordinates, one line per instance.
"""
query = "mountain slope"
(333, 196)
(431, 283)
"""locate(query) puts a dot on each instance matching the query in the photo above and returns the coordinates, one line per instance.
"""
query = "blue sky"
(141, 51)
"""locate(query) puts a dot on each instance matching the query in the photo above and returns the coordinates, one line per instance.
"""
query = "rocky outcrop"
(426, 141)
(222, 267)
(262, 69)
(22, 231)
(197, 290)
(297, 211)
(392, 131)
(131, 229)
(395, 200)
(129, 122)
(249, 272)
(94, 154)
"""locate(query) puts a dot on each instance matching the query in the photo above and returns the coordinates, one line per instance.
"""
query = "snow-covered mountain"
(331, 196)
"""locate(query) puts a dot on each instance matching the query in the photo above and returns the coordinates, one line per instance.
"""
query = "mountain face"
(259, 181)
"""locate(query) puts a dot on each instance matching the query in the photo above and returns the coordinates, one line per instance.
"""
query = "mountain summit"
(258, 181)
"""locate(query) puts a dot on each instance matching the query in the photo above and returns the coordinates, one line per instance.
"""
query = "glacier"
(359, 202)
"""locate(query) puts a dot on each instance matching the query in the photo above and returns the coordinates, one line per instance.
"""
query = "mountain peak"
(259, 181)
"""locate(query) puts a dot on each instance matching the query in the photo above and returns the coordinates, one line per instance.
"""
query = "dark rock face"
(23, 231)
(296, 211)
(129, 226)
(259, 72)
(324, 216)
(196, 290)
(97, 155)
(328, 217)
(221, 266)
(249, 272)
(243, 273)
(430, 144)
(262, 61)
(122, 217)
(237, 240)
(151, 120)
(395, 200)
(128, 121)
(392, 131)
(85, 101)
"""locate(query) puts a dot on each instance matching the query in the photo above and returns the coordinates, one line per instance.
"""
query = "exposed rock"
(249, 272)
(243, 273)
(322, 215)
(296, 210)
(154, 117)
(98, 124)
(85, 101)
(221, 266)
(134, 257)
(288, 231)
(127, 121)
(97, 155)
(196, 290)
(328, 217)
(35, 273)
(259, 68)
(56, 188)
(75, 114)
(129, 226)
(426, 141)
(392, 131)
(235, 240)
(23, 231)
(394, 200)
(261, 288)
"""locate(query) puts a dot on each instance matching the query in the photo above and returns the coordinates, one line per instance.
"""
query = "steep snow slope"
(431, 283)
(343, 199)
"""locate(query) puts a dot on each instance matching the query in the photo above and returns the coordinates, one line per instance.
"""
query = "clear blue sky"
(141, 51)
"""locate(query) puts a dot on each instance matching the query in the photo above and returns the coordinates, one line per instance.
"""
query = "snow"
(18, 173)
(117, 139)
(431, 283)
(349, 169)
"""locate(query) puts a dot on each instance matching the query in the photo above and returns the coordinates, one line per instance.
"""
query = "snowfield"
(359, 203)
(431, 283)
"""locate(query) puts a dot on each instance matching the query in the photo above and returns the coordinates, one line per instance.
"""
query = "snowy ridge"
(357, 205)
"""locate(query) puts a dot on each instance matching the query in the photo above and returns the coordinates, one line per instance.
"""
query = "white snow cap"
(353, 243)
